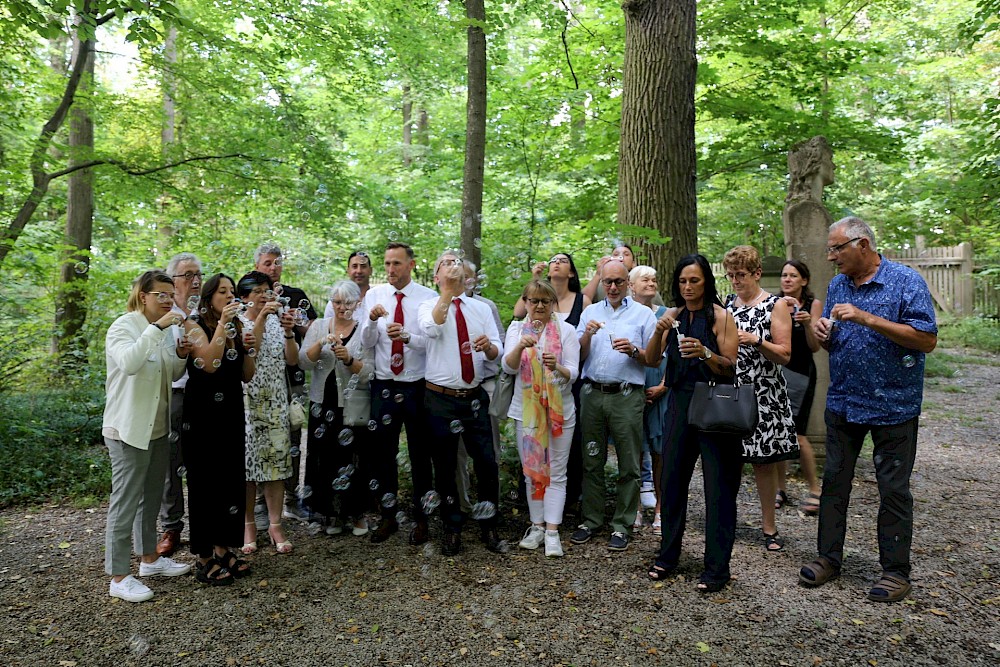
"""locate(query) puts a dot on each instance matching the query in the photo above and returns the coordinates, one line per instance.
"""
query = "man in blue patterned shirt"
(877, 324)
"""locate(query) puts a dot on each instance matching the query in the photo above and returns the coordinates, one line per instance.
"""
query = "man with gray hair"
(267, 258)
(878, 323)
(185, 269)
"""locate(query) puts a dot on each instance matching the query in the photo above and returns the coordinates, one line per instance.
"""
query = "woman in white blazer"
(145, 353)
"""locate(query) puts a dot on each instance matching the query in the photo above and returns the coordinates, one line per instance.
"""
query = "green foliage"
(50, 446)
(979, 333)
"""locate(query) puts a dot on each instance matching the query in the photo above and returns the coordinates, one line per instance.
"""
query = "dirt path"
(343, 601)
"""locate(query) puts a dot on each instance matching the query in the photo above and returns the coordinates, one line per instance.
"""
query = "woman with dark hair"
(337, 461)
(565, 280)
(214, 454)
(268, 446)
(805, 309)
(699, 338)
(142, 359)
(764, 331)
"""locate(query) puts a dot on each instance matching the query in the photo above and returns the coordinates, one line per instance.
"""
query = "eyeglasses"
(337, 303)
(188, 275)
(835, 250)
(535, 302)
(559, 260)
(739, 275)
(163, 297)
(617, 282)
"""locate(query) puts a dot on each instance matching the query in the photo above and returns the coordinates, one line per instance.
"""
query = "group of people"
(579, 369)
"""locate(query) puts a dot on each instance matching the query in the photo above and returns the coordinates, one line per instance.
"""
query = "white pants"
(550, 508)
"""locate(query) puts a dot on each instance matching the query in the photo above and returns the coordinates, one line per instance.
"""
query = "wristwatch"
(760, 341)
(634, 353)
(708, 354)
(405, 337)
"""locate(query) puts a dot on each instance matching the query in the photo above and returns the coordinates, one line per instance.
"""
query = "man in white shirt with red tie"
(461, 336)
(397, 390)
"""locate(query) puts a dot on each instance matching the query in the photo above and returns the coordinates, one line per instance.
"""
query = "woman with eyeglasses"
(543, 353)
(806, 308)
(143, 358)
(215, 457)
(765, 335)
(564, 279)
(268, 446)
(336, 462)
(698, 338)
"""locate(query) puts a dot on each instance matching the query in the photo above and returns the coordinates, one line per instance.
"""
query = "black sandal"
(780, 499)
(711, 585)
(772, 542)
(238, 568)
(213, 574)
(658, 573)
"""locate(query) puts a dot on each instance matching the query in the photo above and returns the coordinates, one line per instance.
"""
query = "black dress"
(213, 448)
(802, 362)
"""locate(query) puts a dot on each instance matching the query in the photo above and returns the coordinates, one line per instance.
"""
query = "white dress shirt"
(631, 320)
(373, 334)
(444, 359)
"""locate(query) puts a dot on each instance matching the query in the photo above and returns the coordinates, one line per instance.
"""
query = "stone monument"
(806, 223)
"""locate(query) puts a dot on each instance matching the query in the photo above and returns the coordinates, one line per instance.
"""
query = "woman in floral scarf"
(544, 356)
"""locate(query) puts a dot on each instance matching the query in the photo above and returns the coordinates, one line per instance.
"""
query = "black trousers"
(722, 466)
(477, 434)
(894, 453)
(409, 411)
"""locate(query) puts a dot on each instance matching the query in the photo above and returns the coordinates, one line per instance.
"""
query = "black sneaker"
(581, 535)
(618, 541)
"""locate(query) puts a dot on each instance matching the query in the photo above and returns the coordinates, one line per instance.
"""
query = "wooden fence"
(958, 286)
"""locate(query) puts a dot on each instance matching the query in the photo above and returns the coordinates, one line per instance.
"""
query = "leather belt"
(611, 387)
(457, 393)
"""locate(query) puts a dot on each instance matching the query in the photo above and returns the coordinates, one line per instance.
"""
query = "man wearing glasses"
(878, 323)
(185, 269)
(613, 335)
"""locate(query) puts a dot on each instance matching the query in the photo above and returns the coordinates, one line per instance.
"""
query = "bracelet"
(289, 337)
(349, 362)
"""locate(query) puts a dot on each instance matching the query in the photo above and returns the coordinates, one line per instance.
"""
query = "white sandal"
(657, 528)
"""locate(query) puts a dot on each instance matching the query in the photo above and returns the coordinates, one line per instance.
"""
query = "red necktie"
(397, 345)
(464, 346)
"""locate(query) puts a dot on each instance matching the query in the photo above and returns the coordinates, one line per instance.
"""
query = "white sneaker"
(360, 528)
(130, 589)
(335, 527)
(553, 547)
(163, 566)
(533, 538)
(647, 497)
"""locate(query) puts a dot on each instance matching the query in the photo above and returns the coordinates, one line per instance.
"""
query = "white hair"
(345, 290)
(855, 227)
(176, 260)
(266, 248)
(641, 271)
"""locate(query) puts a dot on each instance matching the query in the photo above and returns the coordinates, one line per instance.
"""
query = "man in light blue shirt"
(613, 335)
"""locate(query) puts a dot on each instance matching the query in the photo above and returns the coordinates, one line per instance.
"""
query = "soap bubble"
(341, 483)
(81, 267)
(537, 326)
(320, 431)
(251, 352)
(304, 304)
(396, 361)
(346, 437)
(909, 361)
(478, 242)
(316, 410)
(231, 354)
(234, 510)
(372, 424)
(330, 415)
(456, 426)
(593, 449)
(386, 393)
(430, 501)
(373, 485)
(219, 397)
(173, 437)
(181, 471)
(138, 644)
(346, 471)
(484, 510)
(475, 405)
(386, 419)
(294, 451)
(216, 363)
(466, 347)
(626, 389)
(388, 500)
(305, 492)
(199, 363)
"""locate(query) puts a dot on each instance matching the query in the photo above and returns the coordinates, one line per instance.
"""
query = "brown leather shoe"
(419, 533)
(168, 543)
(385, 530)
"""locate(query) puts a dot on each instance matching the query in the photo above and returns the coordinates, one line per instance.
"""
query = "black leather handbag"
(724, 408)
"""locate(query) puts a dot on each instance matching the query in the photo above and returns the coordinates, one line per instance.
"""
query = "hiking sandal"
(890, 587)
(238, 567)
(213, 574)
(780, 499)
(809, 505)
(772, 542)
(818, 572)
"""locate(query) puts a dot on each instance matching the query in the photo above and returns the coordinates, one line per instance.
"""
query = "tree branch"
(565, 44)
(132, 171)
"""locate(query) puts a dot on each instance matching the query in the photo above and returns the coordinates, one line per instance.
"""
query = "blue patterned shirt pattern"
(873, 380)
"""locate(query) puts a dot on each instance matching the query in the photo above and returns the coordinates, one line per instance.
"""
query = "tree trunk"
(407, 126)
(423, 127)
(71, 297)
(657, 170)
(475, 133)
(168, 132)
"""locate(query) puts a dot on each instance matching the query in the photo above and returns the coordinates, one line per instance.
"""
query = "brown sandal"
(890, 588)
(818, 572)
(809, 505)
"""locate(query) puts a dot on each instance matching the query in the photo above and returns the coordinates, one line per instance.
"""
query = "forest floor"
(344, 601)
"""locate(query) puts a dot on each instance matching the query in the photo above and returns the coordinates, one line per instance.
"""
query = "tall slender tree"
(475, 132)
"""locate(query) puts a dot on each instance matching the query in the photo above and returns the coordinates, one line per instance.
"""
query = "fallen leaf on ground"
(703, 647)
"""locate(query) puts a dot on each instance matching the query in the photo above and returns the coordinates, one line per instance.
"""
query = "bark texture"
(475, 133)
(657, 168)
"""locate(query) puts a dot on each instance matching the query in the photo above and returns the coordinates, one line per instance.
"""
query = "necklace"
(747, 304)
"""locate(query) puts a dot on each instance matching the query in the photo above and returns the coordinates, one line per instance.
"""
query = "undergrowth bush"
(50, 445)
(981, 333)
